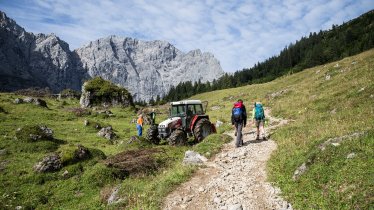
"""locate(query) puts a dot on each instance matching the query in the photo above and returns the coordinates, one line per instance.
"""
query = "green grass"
(87, 180)
(319, 109)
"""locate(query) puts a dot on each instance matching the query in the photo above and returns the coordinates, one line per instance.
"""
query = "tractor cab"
(186, 110)
(186, 118)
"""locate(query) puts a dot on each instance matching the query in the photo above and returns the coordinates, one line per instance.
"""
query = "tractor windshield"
(178, 110)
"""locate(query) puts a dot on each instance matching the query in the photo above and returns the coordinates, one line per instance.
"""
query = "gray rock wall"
(145, 68)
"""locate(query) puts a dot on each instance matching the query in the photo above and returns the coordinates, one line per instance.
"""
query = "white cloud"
(238, 33)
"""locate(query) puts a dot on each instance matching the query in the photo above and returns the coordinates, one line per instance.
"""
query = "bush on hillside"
(35, 92)
(69, 93)
(2, 110)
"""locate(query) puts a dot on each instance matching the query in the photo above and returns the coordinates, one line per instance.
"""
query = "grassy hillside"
(323, 102)
(87, 183)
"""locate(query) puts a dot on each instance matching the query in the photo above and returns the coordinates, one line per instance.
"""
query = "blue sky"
(238, 33)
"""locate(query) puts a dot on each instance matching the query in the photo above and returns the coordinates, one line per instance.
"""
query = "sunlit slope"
(323, 102)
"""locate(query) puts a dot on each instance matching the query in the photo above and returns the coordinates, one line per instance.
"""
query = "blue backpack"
(259, 112)
(237, 112)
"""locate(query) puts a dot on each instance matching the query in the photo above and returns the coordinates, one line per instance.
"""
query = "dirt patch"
(137, 162)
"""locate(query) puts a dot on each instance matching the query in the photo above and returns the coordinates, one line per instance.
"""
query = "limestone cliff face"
(29, 60)
(145, 68)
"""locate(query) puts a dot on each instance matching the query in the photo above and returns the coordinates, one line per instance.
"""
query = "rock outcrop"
(146, 68)
(29, 60)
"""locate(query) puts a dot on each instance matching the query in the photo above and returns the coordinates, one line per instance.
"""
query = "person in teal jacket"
(258, 116)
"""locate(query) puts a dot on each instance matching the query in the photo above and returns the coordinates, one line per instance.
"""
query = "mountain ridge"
(146, 68)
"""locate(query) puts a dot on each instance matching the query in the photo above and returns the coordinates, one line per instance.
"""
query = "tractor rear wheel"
(152, 134)
(202, 129)
(178, 138)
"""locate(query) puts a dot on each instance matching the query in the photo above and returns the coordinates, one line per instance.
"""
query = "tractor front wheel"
(202, 129)
(152, 134)
(178, 138)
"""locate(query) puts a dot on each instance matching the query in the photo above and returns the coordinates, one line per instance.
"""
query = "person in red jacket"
(239, 119)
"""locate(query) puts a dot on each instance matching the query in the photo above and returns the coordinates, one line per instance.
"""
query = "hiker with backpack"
(239, 119)
(258, 115)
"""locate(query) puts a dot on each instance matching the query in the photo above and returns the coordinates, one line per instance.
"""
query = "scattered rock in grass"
(351, 155)
(3, 152)
(277, 94)
(362, 89)
(219, 123)
(327, 77)
(49, 163)
(132, 139)
(106, 112)
(215, 108)
(337, 140)
(82, 152)
(372, 96)
(333, 111)
(299, 171)
(18, 207)
(107, 133)
(28, 100)
(332, 141)
(114, 198)
(36, 101)
(3, 165)
(86, 122)
(79, 112)
(65, 174)
(193, 158)
(40, 102)
(18, 101)
(354, 62)
(32, 133)
(336, 65)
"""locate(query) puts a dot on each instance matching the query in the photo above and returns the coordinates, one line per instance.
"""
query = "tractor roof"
(186, 102)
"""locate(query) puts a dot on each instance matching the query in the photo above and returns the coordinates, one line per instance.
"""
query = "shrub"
(35, 92)
(69, 93)
(2, 110)
(79, 112)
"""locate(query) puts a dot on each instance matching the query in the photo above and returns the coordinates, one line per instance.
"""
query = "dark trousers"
(239, 135)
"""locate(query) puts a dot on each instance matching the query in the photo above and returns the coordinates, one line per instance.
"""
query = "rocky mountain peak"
(146, 68)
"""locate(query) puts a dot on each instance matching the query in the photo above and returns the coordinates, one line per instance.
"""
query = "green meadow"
(328, 101)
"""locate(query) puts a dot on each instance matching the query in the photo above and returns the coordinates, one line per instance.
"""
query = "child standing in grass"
(139, 125)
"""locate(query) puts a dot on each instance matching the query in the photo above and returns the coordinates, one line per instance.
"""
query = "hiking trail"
(234, 179)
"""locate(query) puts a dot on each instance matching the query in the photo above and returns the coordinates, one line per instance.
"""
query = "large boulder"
(107, 133)
(99, 92)
(49, 163)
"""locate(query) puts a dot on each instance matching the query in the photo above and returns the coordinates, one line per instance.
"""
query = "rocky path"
(235, 179)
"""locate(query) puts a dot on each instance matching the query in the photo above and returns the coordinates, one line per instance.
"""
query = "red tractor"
(186, 118)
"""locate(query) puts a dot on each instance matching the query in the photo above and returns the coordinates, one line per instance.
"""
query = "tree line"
(319, 48)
